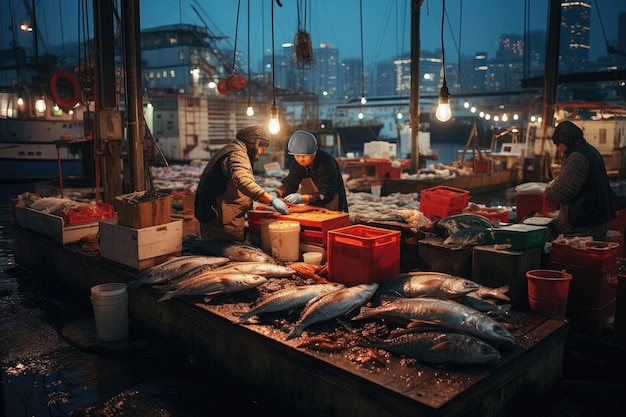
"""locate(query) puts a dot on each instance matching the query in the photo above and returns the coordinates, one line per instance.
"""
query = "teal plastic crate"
(521, 236)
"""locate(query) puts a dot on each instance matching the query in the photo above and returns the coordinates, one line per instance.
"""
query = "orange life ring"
(64, 89)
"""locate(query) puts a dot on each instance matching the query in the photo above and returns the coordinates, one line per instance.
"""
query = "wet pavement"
(52, 364)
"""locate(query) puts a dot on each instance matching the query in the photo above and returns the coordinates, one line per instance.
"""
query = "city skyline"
(386, 24)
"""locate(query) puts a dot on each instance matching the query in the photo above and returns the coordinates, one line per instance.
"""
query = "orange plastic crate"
(450, 196)
(88, 213)
(363, 254)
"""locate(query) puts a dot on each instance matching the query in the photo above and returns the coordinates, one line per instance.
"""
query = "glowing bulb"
(40, 105)
(274, 126)
(56, 107)
(399, 115)
(250, 111)
(20, 101)
(360, 115)
(444, 112)
(473, 109)
(363, 99)
(466, 104)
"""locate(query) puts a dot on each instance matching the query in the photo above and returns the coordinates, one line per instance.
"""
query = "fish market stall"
(325, 367)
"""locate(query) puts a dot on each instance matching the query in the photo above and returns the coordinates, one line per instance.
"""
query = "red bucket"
(548, 291)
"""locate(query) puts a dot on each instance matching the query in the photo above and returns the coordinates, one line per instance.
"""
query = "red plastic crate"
(435, 211)
(528, 204)
(363, 254)
(595, 254)
(493, 214)
(384, 169)
(88, 213)
(442, 194)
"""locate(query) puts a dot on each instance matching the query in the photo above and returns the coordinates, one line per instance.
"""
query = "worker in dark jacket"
(314, 178)
(582, 188)
(227, 187)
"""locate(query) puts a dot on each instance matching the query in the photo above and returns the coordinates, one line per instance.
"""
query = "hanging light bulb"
(443, 113)
(274, 126)
(20, 101)
(363, 99)
(250, 110)
(40, 105)
(443, 109)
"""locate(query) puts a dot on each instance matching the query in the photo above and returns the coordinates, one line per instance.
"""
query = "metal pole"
(134, 96)
(414, 106)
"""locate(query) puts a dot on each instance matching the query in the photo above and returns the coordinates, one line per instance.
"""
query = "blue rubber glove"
(294, 198)
(279, 205)
(274, 194)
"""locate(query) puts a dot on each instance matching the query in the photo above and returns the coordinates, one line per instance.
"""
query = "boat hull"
(19, 161)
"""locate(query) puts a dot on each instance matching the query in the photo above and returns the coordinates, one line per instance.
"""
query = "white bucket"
(312, 258)
(110, 307)
(266, 243)
(285, 240)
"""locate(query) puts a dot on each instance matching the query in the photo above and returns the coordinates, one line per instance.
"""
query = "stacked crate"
(442, 201)
(592, 291)
(143, 235)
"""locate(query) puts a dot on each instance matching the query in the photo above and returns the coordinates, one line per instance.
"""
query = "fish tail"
(295, 332)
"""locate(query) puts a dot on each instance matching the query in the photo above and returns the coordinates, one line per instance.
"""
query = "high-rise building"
(574, 36)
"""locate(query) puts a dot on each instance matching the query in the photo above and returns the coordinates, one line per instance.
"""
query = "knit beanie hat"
(254, 136)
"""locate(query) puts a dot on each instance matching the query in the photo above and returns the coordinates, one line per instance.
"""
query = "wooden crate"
(433, 255)
(140, 248)
(494, 268)
(53, 226)
(151, 209)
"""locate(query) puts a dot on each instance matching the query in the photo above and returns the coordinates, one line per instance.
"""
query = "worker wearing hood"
(582, 187)
(314, 178)
(228, 188)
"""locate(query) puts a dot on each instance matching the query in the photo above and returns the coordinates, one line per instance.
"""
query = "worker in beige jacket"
(228, 188)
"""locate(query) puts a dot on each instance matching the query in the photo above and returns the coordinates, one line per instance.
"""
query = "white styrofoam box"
(54, 226)
(130, 246)
(379, 149)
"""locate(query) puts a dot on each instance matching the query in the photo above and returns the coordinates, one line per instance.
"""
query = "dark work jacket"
(326, 175)
(594, 204)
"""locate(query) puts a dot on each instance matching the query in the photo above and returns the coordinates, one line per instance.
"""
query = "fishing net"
(302, 52)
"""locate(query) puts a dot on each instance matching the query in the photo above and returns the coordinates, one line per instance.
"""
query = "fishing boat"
(40, 144)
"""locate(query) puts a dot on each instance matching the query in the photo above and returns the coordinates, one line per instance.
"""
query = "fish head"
(496, 332)
(459, 286)
(481, 352)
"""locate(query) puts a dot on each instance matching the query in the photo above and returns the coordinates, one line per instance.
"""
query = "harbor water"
(52, 363)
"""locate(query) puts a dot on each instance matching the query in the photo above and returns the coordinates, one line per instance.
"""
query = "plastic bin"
(521, 236)
(529, 204)
(363, 254)
(594, 254)
(442, 201)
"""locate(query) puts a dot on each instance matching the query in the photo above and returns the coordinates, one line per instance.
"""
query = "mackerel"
(331, 305)
(289, 299)
(442, 313)
(456, 222)
(174, 268)
(211, 285)
(438, 347)
(427, 284)
(258, 268)
(237, 252)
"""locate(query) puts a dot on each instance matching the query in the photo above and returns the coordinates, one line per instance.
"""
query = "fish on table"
(211, 285)
(289, 299)
(175, 268)
(237, 252)
(258, 268)
(470, 236)
(331, 305)
(442, 313)
(438, 347)
(427, 284)
(456, 222)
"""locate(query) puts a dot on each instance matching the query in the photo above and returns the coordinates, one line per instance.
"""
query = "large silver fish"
(175, 268)
(471, 236)
(237, 252)
(439, 347)
(442, 313)
(289, 299)
(498, 293)
(427, 284)
(258, 268)
(331, 305)
(210, 284)
(456, 222)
